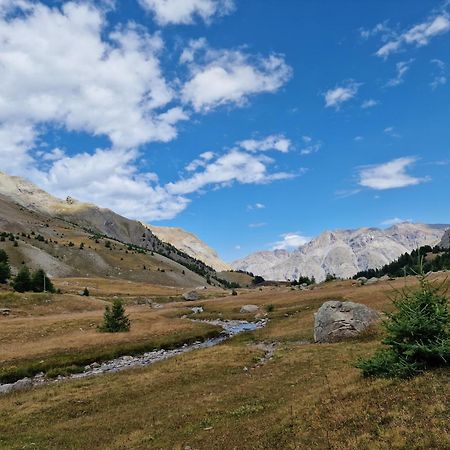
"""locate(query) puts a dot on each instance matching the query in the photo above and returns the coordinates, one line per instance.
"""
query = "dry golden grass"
(307, 396)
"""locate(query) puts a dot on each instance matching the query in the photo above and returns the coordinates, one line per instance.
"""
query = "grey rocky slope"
(342, 252)
(106, 222)
(445, 241)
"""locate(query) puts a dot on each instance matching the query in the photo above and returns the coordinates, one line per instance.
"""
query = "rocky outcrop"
(191, 296)
(445, 241)
(342, 252)
(336, 321)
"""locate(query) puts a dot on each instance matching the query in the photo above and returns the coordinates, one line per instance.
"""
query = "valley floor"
(267, 389)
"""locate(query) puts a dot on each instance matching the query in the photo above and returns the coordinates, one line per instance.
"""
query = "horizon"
(201, 119)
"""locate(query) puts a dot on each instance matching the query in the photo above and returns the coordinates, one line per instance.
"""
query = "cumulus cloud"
(186, 12)
(234, 166)
(273, 142)
(418, 35)
(341, 94)
(390, 175)
(60, 68)
(220, 77)
(290, 241)
(111, 178)
(401, 68)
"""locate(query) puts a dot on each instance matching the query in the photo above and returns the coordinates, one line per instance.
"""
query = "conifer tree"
(22, 282)
(40, 282)
(114, 318)
(417, 334)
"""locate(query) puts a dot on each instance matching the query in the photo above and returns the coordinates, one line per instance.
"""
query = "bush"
(40, 282)
(86, 292)
(270, 308)
(22, 282)
(114, 318)
(418, 334)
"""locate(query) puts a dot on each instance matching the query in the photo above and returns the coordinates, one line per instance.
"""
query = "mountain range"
(342, 253)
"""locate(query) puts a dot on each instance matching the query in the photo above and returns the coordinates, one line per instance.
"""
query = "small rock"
(197, 309)
(249, 309)
(372, 280)
(5, 311)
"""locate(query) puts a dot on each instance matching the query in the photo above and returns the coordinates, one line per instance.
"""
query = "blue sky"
(254, 124)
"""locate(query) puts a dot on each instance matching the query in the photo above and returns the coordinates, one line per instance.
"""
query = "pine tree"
(114, 318)
(22, 282)
(418, 334)
(40, 282)
(5, 268)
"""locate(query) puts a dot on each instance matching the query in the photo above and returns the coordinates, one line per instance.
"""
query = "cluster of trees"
(25, 281)
(38, 281)
(303, 280)
(436, 258)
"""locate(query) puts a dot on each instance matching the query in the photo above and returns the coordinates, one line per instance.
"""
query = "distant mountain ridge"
(342, 252)
(107, 222)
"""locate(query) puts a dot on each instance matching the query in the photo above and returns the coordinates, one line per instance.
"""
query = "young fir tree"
(40, 282)
(417, 334)
(114, 318)
(5, 268)
(22, 282)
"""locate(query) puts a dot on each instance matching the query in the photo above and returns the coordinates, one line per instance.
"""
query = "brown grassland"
(307, 396)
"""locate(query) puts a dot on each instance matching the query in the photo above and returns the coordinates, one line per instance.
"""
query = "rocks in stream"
(336, 320)
(230, 328)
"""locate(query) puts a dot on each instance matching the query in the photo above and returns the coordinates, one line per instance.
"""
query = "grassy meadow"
(305, 396)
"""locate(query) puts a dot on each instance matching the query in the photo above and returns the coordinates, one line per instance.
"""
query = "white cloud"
(401, 68)
(418, 35)
(439, 78)
(186, 11)
(370, 103)
(221, 77)
(394, 221)
(232, 167)
(273, 142)
(390, 131)
(290, 241)
(200, 162)
(255, 206)
(110, 178)
(61, 67)
(311, 148)
(392, 174)
(341, 94)
(358, 138)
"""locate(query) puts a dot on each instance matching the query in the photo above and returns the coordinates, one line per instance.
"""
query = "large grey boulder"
(336, 320)
(191, 296)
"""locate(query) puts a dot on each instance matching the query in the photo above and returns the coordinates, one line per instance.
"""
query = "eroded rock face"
(336, 320)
